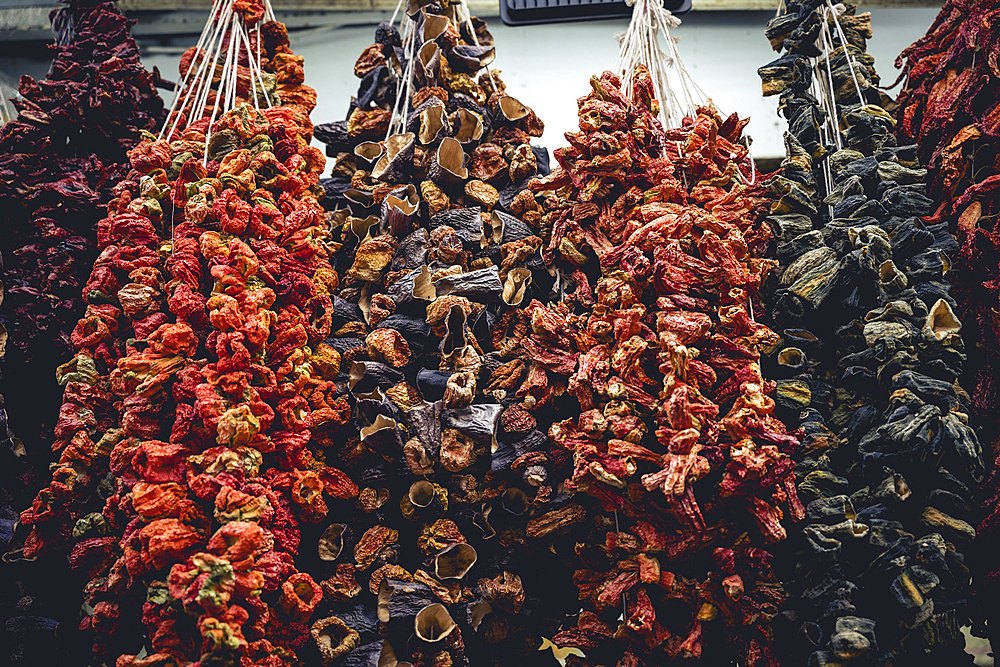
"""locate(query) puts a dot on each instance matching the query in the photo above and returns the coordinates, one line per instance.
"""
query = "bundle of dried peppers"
(657, 238)
(188, 468)
(59, 158)
(948, 105)
(869, 361)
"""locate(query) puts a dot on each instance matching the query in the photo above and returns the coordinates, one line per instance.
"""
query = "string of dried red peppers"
(59, 159)
(658, 236)
(948, 106)
(196, 386)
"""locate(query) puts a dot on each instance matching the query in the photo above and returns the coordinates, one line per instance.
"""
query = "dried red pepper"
(59, 160)
(675, 437)
(948, 107)
(202, 361)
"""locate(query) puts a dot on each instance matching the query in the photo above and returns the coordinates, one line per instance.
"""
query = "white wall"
(548, 66)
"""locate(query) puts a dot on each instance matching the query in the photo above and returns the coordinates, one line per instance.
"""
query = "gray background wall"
(547, 67)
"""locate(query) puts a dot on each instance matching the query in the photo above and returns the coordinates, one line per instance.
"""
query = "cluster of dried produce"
(868, 361)
(462, 141)
(446, 558)
(949, 106)
(188, 465)
(444, 405)
(672, 437)
(59, 158)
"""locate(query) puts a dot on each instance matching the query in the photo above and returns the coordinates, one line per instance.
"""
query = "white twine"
(187, 84)
(834, 11)
(462, 15)
(410, 46)
(220, 93)
(404, 85)
(7, 92)
(673, 84)
(822, 85)
(224, 41)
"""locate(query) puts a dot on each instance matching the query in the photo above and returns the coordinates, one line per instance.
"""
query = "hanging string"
(210, 86)
(404, 85)
(822, 84)
(673, 85)
(833, 11)
(221, 92)
(640, 45)
(462, 15)
(227, 36)
(7, 92)
(63, 26)
(187, 85)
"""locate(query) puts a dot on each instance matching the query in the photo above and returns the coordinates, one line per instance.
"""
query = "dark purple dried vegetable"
(436, 264)
(59, 160)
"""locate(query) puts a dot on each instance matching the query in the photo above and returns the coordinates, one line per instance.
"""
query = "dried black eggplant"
(414, 329)
(468, 58)
(397, 162)
(893, 425)
(481, 285)
(334, 135)
(432, 383)
(477, 422)
(514, 229)
(467, 223)
(367, 376)
(421, 256)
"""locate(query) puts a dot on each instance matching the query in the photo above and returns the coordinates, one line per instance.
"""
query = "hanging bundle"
(188, 466)
(223, 70)
(870, 353)
(449, 557)
(948, 106)
(61, 152)
(59, 158)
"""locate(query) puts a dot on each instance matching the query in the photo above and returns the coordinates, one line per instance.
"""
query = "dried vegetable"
(949, 107)
(448, 557)
(60, 155)
(868, 365)
(189, 466)
(59, 158)
(672, 444)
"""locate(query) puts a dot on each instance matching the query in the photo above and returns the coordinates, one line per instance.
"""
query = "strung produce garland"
(59, 158)
(196, 386)
(949, 106)
(643, 44)
(870, 355)
(674, 442)
(450, 556)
